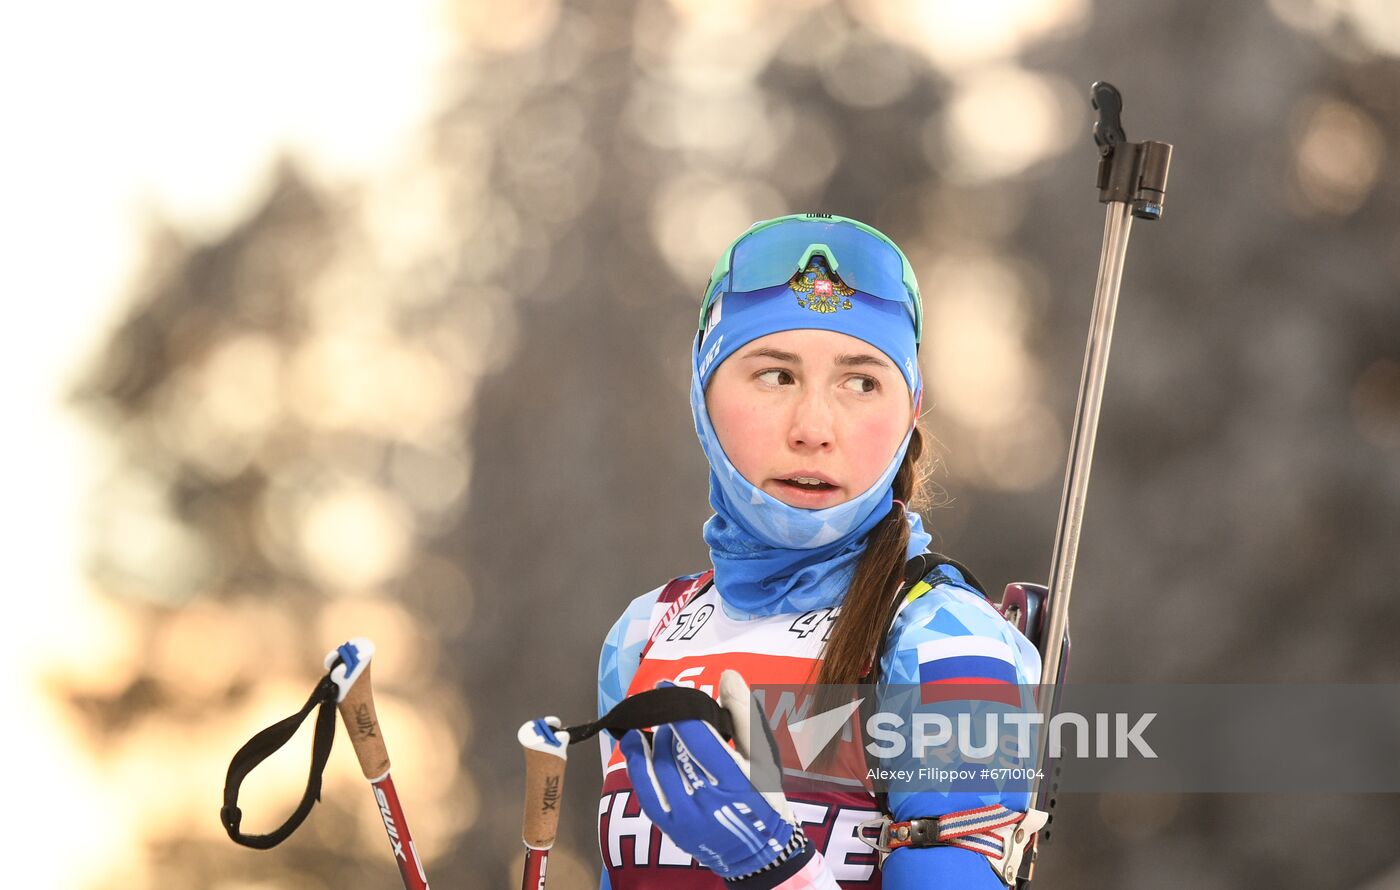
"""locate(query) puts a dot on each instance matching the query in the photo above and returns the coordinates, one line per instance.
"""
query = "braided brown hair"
(878, 576)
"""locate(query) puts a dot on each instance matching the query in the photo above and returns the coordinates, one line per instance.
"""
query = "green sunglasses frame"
(722, 265)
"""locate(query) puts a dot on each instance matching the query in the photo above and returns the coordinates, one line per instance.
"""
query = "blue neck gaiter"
(771, 558)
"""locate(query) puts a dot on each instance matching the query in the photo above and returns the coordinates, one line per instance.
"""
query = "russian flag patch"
(969, 668)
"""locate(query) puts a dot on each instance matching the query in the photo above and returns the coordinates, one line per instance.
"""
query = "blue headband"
(813, 301)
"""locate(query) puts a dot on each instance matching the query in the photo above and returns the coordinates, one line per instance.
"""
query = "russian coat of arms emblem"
(819, 289)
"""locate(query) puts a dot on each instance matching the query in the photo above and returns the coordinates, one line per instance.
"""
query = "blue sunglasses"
(771, 252)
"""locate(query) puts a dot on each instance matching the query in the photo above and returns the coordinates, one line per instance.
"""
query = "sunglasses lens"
(770, 253)
(771, 256)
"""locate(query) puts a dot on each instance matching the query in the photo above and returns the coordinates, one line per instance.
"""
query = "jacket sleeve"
(618, 661)
(621, 655)
(952, 634)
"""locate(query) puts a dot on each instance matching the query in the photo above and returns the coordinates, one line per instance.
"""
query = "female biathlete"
(805, 389)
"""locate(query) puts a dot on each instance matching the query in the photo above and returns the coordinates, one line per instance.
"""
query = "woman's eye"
(862, 384)
(776, 377)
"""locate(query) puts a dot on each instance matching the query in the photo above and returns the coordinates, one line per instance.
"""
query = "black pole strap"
(262, 746)
(654, 707)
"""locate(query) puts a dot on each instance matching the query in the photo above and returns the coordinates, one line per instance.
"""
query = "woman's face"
(810, 417)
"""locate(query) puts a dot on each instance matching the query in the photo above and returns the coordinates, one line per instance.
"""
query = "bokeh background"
(333, 319)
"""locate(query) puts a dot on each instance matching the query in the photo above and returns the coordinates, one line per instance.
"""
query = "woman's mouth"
(808, 483)
(807, 490)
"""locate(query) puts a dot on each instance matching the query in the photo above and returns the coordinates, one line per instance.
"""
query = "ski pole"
(1132, 181)
(346, 684)
(546, 748)
(349, 667)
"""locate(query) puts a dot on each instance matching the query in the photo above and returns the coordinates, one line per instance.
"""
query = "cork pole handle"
(361, 721)
(349, 666)
(349, 670)
(544, 788)
(546, 754)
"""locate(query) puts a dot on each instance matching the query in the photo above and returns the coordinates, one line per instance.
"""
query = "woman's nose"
(813, 422)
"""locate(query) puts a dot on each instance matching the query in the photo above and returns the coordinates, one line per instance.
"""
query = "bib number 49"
(809, 623)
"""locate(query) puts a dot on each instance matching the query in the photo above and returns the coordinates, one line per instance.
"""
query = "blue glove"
(696, 789)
